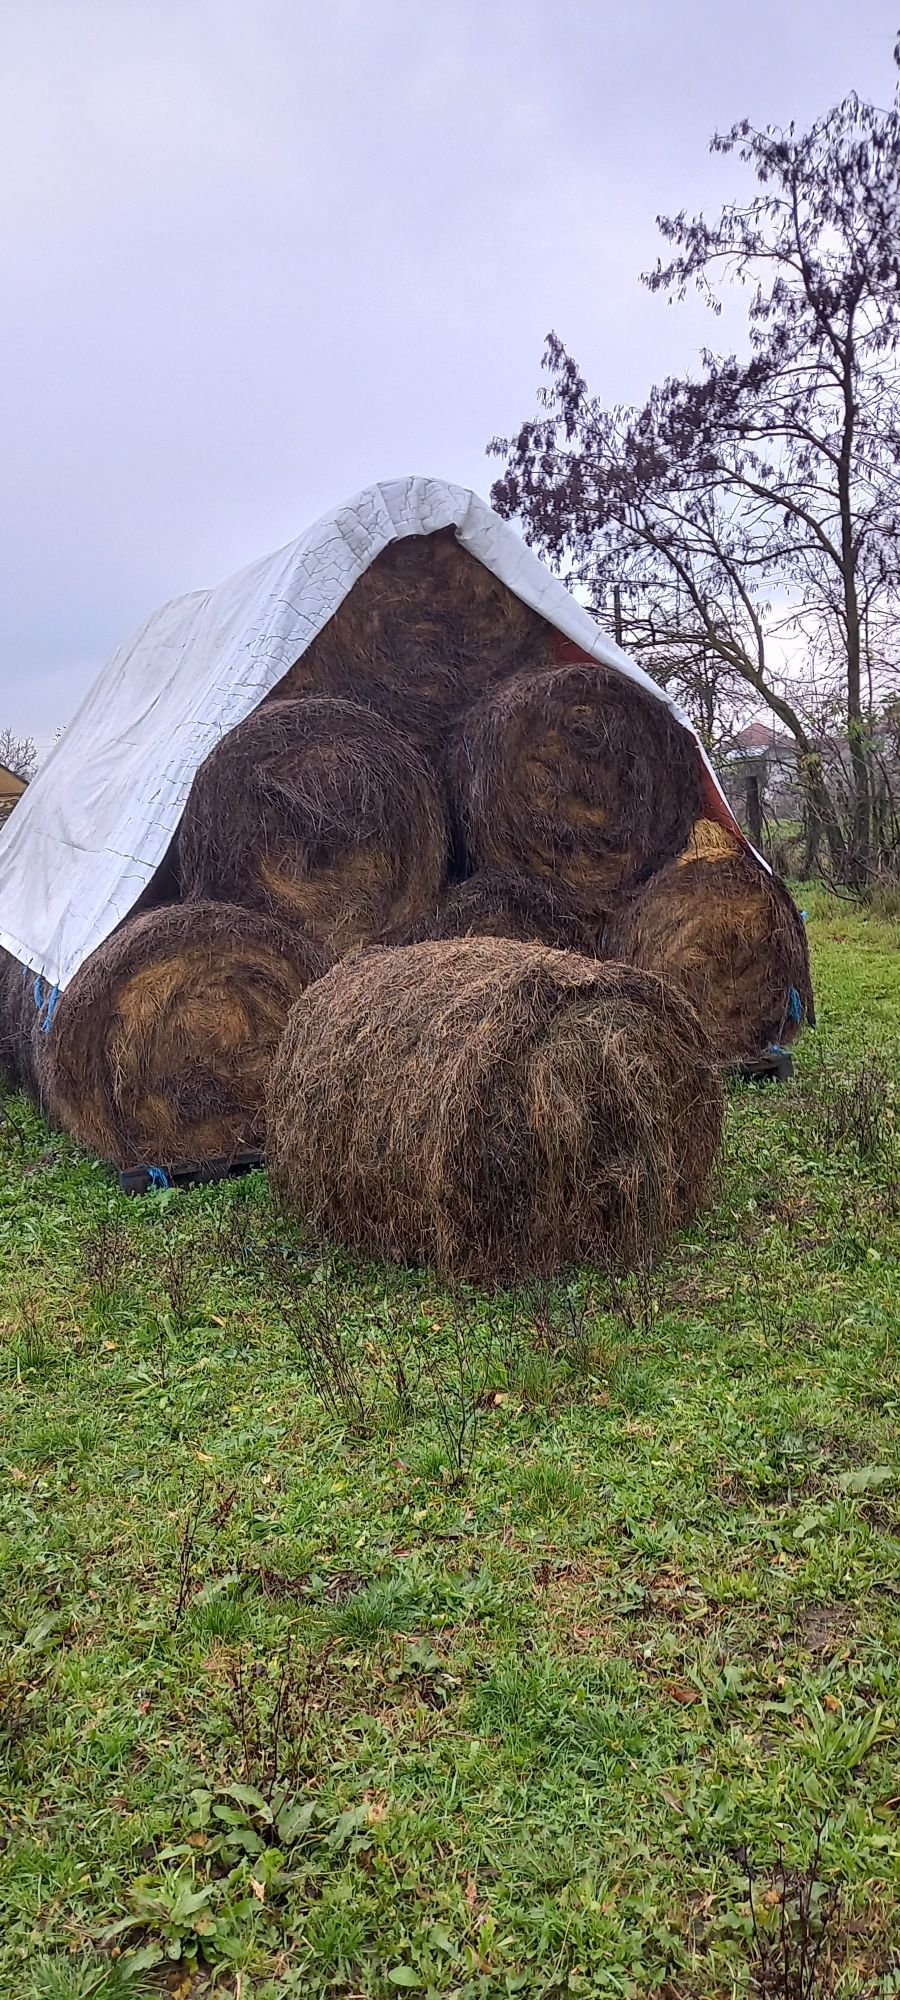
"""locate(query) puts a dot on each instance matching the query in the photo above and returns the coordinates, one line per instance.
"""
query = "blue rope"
(158, 1177)
(38, 990)
(795, 1005)
(51, 1009)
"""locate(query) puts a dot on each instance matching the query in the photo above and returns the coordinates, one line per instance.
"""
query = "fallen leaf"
(680, 1691)
(830, 1701)
(259, 1889)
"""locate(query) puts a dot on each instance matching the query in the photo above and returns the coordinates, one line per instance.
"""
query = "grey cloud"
(254, 257)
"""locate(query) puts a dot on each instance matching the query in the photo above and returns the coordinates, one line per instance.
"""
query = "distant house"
(763, 759)
(11, 789)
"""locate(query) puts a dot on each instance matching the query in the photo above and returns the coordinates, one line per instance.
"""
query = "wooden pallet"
(775, 1066)
(188, 1173)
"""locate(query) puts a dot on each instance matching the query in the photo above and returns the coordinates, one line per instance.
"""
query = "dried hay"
(321, 813)
(709, 841)
(731, 938)
(575, 774)
(426, 627)
(160, 1047)
(11, 974)
(493, 1108)
(20, 1027)
(525, 907)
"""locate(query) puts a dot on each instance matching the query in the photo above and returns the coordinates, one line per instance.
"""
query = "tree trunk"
(753, 795)
(859, 844)
(811, 842)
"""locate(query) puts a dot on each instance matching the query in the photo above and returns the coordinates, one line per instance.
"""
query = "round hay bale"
(576, 774)
(424, 629)
(732, 940)
(526, 907)
(22, 1039)
(11, 978)
(492, 1108)
(321, 813)
(159, 1048)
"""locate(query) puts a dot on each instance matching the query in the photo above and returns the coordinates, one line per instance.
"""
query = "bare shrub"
(107, 1255)
(204, 1512)
(793, 1930)
(271, 1711)
(562, 1319)
(313, 1310)
(461, 1361)
(855, 1109)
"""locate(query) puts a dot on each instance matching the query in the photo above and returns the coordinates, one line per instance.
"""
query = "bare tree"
(750, 517)
(18, 754)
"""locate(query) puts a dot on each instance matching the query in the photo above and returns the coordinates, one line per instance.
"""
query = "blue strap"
(158, 1177)
(51, 1009)
(38, 990)
(795, 1005)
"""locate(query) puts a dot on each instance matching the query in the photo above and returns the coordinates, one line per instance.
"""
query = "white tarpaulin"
(95, 823)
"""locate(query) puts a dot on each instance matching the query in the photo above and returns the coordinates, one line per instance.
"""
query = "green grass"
(285, 1708)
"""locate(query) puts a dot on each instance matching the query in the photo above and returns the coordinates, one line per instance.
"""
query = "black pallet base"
(189, 1173)
(774, 1067)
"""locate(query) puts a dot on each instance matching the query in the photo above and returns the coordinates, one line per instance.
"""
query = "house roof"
(757, 737)
(10, 781)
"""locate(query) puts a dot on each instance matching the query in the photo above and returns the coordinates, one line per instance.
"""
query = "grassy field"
(359, 1639)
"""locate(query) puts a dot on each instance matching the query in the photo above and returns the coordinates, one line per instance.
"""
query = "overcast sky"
(255, 254)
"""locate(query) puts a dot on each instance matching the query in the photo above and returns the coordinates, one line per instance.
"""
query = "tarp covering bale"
(497, 904)
(574, 773)
(160, 1046)
(321, 812)
(732, 940)
(422, 632)
(493, 1108)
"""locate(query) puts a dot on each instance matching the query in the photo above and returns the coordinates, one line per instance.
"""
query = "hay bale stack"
(492, 1108)
(494, 904)
(732, 940)
(422, 631)
(159, 1049)
(321, 813)
(575, 774)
